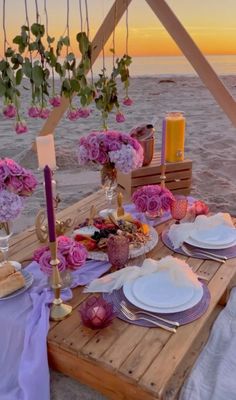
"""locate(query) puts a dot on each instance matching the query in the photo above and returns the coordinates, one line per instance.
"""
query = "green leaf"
(2, 88)
(37, 75)
(50, 39)
(3, 65)
(38, 30)
(27, 68)
(83, 41)
(9, 52)
(66, 41)
(59, 69)
(19, 76)
(75, 86)
(33, 46)
(83, 100)
(17, 39)
(10, 74)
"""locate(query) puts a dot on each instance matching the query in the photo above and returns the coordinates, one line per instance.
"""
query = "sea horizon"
(145, 66)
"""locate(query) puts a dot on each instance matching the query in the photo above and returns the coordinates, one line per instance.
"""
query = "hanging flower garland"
(37, 58)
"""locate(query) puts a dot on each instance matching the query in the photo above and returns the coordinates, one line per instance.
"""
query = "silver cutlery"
(200, 252)
(124, 306)
(132, 317)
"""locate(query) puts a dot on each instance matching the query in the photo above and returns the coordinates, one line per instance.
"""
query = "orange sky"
(211, 23)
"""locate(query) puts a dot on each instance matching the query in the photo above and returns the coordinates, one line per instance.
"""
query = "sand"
(210, 143)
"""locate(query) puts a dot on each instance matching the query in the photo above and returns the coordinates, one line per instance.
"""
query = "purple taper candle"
(163, 142)
(49, 204)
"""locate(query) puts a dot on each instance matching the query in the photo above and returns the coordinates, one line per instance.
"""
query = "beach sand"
(210, 142)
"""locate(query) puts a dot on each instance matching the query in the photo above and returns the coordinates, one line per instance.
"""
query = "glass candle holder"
(96, 313)
(178, 208)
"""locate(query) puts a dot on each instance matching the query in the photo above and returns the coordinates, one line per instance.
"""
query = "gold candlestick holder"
(59, 310)
(163, 176)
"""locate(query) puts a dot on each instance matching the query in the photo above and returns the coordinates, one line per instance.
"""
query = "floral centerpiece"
(152, 200)
(71, 254)
(114, 151)
(16, 179)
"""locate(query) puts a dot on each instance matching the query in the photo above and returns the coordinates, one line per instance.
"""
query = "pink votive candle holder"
(96, 313)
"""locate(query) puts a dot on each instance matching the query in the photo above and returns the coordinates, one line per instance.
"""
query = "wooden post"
(102, 36)
(195, 57)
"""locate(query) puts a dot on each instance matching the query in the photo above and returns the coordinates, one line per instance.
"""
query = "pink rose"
(44, 113)
(154, 204)
(9, 111)
(166, 200)
(94, 153)
(64, 244)
(45, 265)
(77, 256)
(14, 168)
(141, 203)
(15, 184)
(21, 127)
(72, 115)
(128, 101)
(200, 208)
(84, 112)
(120, 117)
(4, 171)
(29, 184)
(38, 253)
(33, 112)
(55, 101)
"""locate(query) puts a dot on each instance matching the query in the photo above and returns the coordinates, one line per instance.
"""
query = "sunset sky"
(211, 23)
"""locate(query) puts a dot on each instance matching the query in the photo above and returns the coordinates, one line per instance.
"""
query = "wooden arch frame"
(184, 41)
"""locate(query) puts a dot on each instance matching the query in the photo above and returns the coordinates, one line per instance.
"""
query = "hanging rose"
(44, 113)
(21, 127)
(34, 111)
(120, 117)
(127, 101)
(55, 101)
(9, 111)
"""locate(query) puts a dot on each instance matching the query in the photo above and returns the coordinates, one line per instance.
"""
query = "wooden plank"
(195, 57)
(179, 344)
(102, 36)
(114, 386)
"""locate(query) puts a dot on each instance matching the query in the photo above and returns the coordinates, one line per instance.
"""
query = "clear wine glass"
(178, 208)
(5, 234)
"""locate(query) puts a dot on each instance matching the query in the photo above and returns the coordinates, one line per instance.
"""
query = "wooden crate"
(178, 176)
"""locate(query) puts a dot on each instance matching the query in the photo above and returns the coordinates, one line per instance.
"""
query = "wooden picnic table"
(125, 361)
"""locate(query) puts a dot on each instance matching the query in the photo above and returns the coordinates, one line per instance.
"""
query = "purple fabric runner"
(23, 334)
(130, 208)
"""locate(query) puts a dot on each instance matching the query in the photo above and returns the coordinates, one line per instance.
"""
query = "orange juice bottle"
(175, 132)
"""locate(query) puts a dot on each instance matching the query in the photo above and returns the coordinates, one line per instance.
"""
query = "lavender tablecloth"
(24, 323)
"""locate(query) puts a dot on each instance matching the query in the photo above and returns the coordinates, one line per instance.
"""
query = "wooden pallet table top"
(125, 361)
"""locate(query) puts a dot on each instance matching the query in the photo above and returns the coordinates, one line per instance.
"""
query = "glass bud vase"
(5, 234)
(109, 181)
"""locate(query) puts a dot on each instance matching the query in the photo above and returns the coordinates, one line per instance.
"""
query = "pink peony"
(44, 113)
(64, 244)
(33, 112)
(21, 127)
(127, 101)
(120, 117)
(77, 256)
(45, 265)
(55, 101)
(9, 111)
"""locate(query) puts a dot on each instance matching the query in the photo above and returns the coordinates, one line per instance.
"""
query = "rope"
(81, 16)
(4, 26)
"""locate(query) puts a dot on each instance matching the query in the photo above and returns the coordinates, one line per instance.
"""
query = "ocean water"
(172, 65)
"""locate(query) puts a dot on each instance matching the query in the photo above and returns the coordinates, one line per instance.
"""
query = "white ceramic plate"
(134, 252)
(29, 278)
(159, 290)
(128, 292)
(202, 245)
(86, 230)
(219, 235)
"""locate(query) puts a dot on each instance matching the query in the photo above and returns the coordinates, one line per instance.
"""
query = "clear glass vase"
(109, 181)
(5, 234)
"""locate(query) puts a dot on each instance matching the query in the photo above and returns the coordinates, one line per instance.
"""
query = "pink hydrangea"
(21, 127)
(111, 147)
(9, 111)
(55, 101)
(10, 205)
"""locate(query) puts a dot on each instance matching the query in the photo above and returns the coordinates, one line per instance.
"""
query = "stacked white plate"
(159, 293)
(219, 237)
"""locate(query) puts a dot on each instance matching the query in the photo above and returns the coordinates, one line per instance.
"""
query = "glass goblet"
(118, 251)
(5, 234)
(178, 208)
